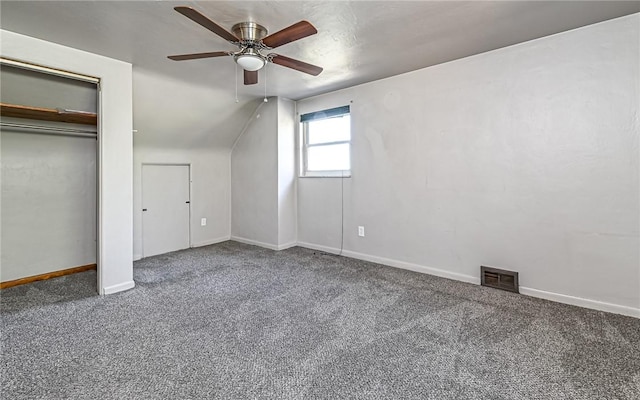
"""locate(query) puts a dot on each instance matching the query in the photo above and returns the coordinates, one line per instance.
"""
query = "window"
(326, 143)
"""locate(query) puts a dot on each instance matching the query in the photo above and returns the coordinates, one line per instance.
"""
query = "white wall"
(210, 191)
(48, 203)
(524, 158)
(263, 178)
(171, 113)
(254, 179)
(178, 122)
(287, 219)
(25, 87)
(115, 237)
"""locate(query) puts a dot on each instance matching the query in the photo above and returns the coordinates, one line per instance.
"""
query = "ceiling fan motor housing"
(249, 31)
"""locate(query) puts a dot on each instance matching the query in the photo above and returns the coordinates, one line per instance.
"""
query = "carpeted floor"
(232, 321)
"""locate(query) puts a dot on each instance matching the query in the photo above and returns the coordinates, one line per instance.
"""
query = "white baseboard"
(559, 298)
(270, 246)
(395, 263)
(580, 302)
(287, 245)
(318, 247)
(212, 241)
(255, 242)
(137, 257)
(413, 267)
(119, 287)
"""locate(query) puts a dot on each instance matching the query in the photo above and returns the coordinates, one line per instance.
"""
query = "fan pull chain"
(265, 82)
(237, 101)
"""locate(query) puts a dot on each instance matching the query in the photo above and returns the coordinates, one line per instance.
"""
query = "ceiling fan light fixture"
(251, 38)
(250, 62)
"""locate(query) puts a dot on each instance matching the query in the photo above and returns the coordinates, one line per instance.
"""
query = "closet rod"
(48, 70)
(52, 130)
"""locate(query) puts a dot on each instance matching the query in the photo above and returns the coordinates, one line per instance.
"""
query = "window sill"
(326, 174)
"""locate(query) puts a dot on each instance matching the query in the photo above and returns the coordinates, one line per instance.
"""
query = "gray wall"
(193, 125)
(210, 191)
(48, 183)
(254, 179)
(524, 158)
(48, 204)
(30, 88)
(263, 178)
(287, 219)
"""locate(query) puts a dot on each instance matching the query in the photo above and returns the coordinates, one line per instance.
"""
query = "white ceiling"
(358, 41)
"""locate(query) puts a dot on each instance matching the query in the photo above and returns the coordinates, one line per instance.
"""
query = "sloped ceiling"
(358, 41)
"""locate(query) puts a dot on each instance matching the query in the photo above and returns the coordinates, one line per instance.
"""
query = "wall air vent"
(499, 279)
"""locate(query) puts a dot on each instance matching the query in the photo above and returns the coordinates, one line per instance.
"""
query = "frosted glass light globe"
(250, 62)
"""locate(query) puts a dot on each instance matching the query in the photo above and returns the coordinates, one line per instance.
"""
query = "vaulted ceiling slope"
(357, 42)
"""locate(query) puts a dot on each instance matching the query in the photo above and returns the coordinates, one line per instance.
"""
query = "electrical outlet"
(361, 231)
(203, 221)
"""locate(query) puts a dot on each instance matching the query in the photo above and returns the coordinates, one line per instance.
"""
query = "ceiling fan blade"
(250, 77)
(195, 56)
(206, 22)
(287, 35)
(296, 64)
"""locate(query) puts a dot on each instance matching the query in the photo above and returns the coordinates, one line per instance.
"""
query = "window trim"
(304, 124)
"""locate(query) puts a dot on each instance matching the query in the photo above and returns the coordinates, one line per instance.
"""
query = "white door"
(165, 208)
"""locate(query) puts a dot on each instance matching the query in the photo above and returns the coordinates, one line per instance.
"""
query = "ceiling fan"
(251, 39)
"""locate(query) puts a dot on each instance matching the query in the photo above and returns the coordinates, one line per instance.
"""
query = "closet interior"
(48, 158)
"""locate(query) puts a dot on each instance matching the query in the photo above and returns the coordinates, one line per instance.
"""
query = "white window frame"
(304, 129)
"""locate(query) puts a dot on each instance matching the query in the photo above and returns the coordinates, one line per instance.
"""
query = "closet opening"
(49, 149)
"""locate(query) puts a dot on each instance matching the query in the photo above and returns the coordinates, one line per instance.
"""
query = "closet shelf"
(49, 114)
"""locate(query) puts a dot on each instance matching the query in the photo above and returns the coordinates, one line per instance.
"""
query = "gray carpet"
(232, 321)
